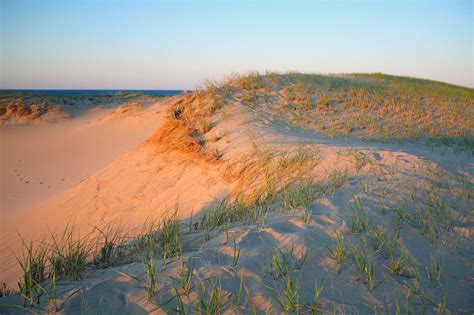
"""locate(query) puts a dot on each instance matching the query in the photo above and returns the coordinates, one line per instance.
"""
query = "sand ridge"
(390, 183)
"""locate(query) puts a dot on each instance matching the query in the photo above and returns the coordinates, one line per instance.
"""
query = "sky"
(144, 44)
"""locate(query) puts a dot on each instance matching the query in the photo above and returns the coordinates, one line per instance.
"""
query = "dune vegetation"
(367, 106)
(345, 194)
(21, 107)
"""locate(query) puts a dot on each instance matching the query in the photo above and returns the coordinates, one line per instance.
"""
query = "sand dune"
(40, 161)
(261, 203)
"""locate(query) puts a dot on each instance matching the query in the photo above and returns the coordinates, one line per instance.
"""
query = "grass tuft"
(338, 251)
(359, 217)
(33, 268)
(365, 265)
(211, 301)
(289, 299)
(169, 239)
(70, 253)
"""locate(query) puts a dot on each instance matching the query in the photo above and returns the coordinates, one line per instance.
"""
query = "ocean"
(92, 92)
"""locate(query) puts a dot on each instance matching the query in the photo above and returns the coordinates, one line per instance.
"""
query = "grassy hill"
(364, 106)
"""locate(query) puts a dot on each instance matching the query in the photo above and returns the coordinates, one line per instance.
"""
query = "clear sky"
(68, 44)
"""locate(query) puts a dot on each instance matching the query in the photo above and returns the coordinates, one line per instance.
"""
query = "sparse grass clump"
(151, 275)
(315, 306)
(289, 299)
(361, 159)
(33, 267)
(402, 263)
(248, 82)
(365, 265)
(435, 269)
(235, 255)
(337, 179)
(298, 194)
(186, 275)
(338, 251)
(211, 301)
(257, 214)
(169, 239)
(148, 239)
(299, 96)
(359, 217)
(44, 262)
(441, 307)
(222, 213)
(69, 253)
(281, 263)
(109, 248)
(378, 237)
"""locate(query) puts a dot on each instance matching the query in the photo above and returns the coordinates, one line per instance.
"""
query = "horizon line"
(263, 73)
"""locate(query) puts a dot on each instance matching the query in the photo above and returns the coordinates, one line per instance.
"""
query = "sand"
(100, 169)
(40, 161)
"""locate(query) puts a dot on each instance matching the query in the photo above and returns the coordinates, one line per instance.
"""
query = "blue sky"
(178, 44)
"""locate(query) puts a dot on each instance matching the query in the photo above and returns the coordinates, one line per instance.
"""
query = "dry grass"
(17, 108)
(368, 107)
(186, 124)
(261, 174)
(175, 135)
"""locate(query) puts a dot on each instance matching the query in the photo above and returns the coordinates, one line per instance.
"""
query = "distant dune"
(275, 193)
(18, 113)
